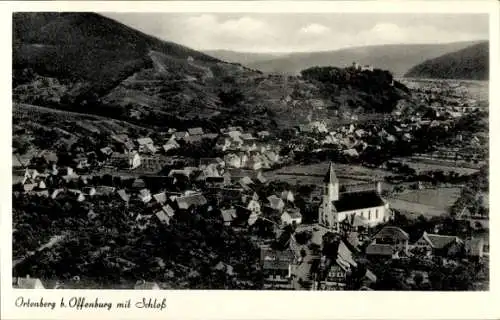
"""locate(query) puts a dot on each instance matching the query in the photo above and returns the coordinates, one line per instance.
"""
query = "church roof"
(349, 201)
(331, 177)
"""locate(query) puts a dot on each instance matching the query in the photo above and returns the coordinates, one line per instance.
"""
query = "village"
(337, 242)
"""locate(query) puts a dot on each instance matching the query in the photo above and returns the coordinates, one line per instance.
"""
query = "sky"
(304, 32)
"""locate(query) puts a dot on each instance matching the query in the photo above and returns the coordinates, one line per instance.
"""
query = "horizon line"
(342, 48)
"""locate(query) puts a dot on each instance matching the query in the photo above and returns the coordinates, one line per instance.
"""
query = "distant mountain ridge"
(470, 63)
(397, 58)
(244, 58)
(89, 64)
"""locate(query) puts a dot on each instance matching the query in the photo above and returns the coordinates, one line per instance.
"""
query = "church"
(337, 206)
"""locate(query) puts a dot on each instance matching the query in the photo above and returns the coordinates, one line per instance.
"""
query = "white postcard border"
(191, 304)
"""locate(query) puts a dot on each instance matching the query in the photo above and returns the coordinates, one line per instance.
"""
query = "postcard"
(246, 160)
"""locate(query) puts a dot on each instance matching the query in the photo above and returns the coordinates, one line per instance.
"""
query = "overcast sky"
(257, 32)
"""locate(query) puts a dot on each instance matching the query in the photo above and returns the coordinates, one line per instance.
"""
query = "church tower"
(327, 213)
(331, 185)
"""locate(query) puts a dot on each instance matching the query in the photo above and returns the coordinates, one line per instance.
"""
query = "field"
(422, 165)
(315, 173)
(428, 202)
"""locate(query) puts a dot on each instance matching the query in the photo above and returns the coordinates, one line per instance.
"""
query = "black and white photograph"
(326, 151)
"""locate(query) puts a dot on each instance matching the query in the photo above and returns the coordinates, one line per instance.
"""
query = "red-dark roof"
(379, 249)
(349, 201)
(392, 233)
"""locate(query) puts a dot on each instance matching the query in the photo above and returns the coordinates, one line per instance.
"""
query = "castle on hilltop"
(359, 67)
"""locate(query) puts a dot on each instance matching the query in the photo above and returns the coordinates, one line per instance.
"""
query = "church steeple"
(331, 177)
(331, 185)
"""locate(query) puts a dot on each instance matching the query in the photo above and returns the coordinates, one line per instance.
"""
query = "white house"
(134, 160)
(291, 216)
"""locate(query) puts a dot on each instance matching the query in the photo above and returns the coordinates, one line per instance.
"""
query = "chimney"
(378, 187)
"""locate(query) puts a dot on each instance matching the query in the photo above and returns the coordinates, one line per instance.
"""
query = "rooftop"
(349, 201)
(392, 232)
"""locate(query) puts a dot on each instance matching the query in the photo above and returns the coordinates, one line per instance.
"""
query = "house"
(28, 283)
(223, 143)
(228, 216)
(272, 156)
(247, 137)
(381, 251)
(81, 162)
(276, 203)
(234, 134)
(245, 181)
(390, 240)
(162, 217)
(210, 136)
(123, 195)
(48, 156)
(107, 151)
(160, 198)
(287, 195)
(253, 206)
(17, 163)
(134, 160)
(474, 247)
(90, 191)
(440, 244)
(254, 163)
(104, 190)
(144, 195)
(143, 285)
(31, 174)
(189, 201)
(337, 206)
(217, 182)
(41, 193)
(263, 134)
(139, 183)
(179, 135)
(333, 272)
(195, 131)
(291, 216)
(56, 192)
(224, 267)
(277, 268)
(170, 145)
(232, 160)
(169, 211)
(146, 145)
(194, 139)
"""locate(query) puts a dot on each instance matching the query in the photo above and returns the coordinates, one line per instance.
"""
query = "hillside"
(89, 64)
(395, 58)
(471, 63)
(87, 53)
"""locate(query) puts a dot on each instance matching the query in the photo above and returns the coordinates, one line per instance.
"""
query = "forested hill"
(471, 63)
(89, 53)
(372, 91)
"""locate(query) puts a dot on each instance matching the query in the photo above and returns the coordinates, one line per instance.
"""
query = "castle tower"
(331, 185)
